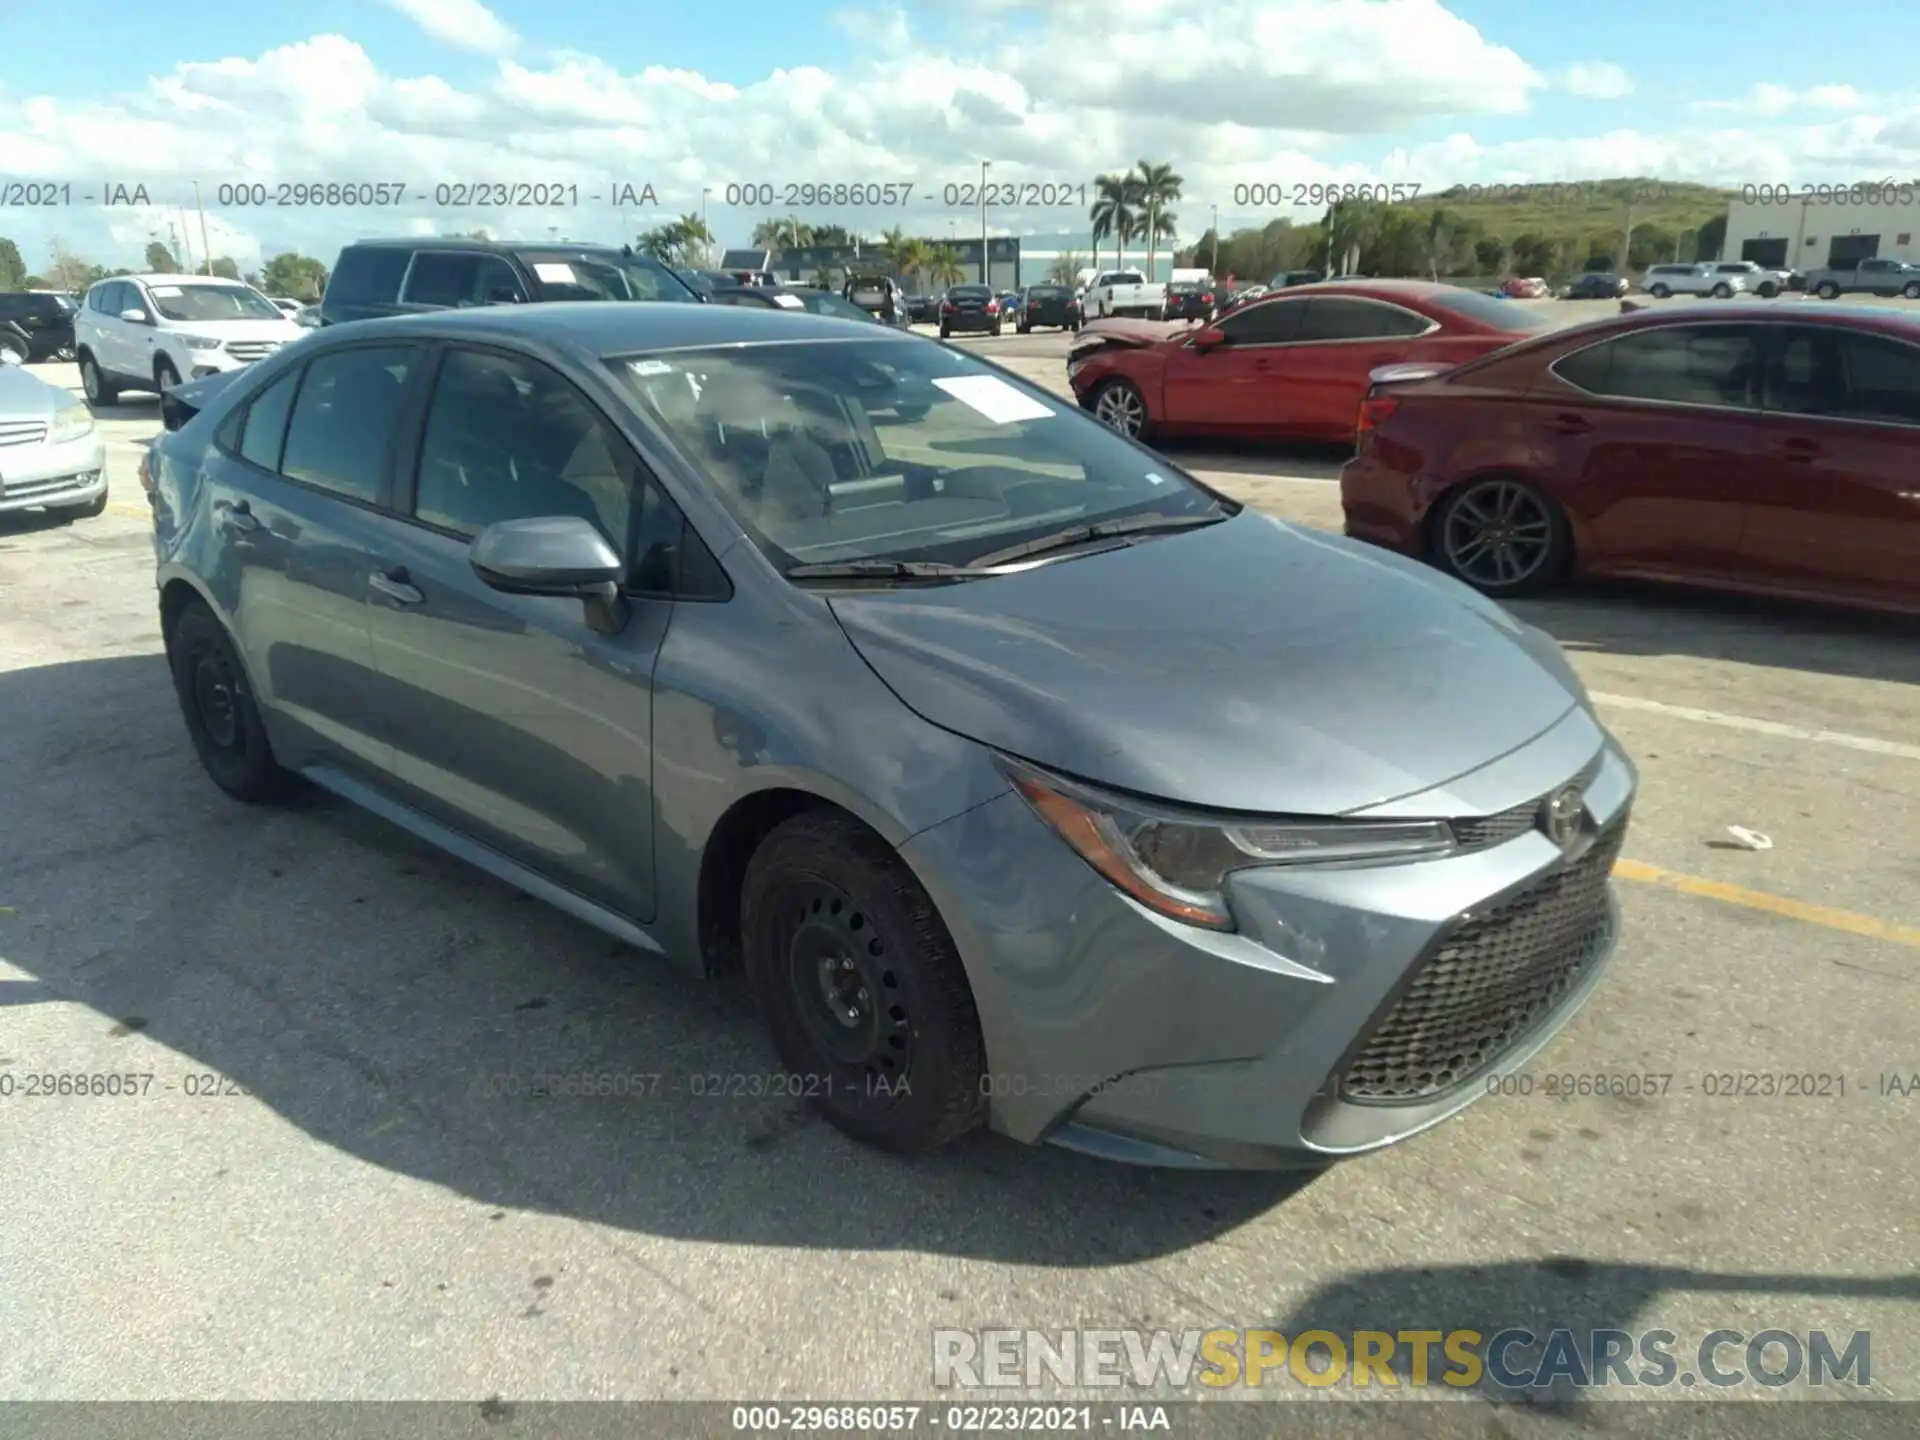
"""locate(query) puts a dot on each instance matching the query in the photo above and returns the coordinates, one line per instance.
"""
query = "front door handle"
(1801, 450)
(396, 587)
(236, 516)
(1572, 424)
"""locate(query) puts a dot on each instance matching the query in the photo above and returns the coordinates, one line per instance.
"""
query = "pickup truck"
(1123, 292)
(1872, 277)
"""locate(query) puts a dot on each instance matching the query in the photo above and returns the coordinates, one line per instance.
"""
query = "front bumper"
(71, 473)
(1302, 1037)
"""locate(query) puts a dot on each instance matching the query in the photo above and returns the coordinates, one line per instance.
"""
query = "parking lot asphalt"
(370, 1220)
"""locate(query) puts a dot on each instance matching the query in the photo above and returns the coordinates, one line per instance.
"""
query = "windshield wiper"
(882, 570)
(1099, 530)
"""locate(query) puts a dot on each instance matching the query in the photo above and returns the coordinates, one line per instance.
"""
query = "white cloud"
(1780, 100)
(465, 24)
(1312, 91)
(1596, 80)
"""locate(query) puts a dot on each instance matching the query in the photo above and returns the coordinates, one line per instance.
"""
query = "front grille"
(22, 432)
(1483, 831)
(27, 489)
(252, 349)
(1488, 984)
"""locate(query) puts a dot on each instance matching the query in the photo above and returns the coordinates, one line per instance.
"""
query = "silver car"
(51, 454)
(1033, 783)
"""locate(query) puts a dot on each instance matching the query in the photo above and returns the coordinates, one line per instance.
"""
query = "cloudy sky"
(689, 99)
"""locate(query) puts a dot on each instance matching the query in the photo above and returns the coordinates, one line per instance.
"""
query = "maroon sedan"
(1776, 452)
(1291, 365)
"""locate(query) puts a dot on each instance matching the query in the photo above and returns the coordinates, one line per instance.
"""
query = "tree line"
(290, 274)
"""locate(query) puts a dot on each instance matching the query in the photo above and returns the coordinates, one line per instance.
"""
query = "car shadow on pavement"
(1631, 618)
(1583, 1295)
(401, 1007)
(1261, 459)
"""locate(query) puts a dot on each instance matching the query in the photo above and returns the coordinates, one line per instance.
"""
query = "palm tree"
(780, 232)
(910, 258)
(1157, 187)
(1112, 214)
(894, 245)
(1064, 269)
(944, 267)
(1438, 223)
(694, 238)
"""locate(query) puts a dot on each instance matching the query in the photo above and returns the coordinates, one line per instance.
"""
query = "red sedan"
(1772, 452)
(1292, 365)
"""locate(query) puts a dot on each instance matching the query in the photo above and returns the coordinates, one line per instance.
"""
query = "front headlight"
(70, 422)
(200, 342)
(1177, 863)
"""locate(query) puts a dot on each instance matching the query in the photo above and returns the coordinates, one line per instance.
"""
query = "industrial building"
(1782, 228)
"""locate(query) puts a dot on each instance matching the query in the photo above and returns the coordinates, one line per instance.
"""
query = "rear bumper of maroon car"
(1383, 504)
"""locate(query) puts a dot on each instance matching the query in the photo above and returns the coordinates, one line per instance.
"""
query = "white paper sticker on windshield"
(163, 292)
(994, 398)
(650, 367)
(554, 272)
(788, 302)
(1153, 479)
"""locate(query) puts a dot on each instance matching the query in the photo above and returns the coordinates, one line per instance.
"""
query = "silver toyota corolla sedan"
(1032, 782)
(51, 454)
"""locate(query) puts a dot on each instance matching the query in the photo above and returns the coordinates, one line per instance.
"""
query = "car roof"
(492, 247)
(170, 279)
(602, 327)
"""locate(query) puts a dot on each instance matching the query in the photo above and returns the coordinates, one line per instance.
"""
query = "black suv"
(401, 277)
(39, 321)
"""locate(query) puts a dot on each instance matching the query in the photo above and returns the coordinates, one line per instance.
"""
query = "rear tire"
(1912, 291)
(217, 703)
(13, 345)
(861, 986)
(1502, 535)
(1827, 290)
(99, 389)
(1659, 292)
(1723, 292)
(1767, 292)
(946, 333)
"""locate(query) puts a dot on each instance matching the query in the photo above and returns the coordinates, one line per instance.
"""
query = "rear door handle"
(396, 587)
(1572, 424)
(236, 516)
(1802, 450)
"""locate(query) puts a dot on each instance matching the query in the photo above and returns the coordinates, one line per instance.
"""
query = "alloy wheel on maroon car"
(1119, 406)
(1502, 536)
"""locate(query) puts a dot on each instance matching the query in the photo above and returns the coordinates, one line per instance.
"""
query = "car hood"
(282, 330)
(1246, 666)
(1133, 332)
(24, 396)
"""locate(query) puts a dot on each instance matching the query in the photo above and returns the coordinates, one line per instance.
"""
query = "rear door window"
(441, 279)
(264, 429)
(341, 433)
(368, 275)
(1716, 365)
(1847, 375)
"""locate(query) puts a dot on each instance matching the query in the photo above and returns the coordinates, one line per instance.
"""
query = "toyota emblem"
(1560, 816)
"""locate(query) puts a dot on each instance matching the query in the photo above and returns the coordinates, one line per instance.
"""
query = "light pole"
(985, 165)
(1213, 265)
(706, 235)
(206, 249)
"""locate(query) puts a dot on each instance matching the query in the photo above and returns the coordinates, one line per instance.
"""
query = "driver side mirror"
(1209, 337)
(554, 555)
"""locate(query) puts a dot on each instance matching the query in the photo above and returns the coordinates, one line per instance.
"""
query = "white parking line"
(1763, 727)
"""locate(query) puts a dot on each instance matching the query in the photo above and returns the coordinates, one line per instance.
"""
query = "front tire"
(1827, 290)
(16, 347)
(1502, 536)
(165, 377)
(1767, 292)
(217, 703)
(1912, 291)
(861, 986)
(946, 332)
(1659, 292)
(92, 510)
(1723, 292)
(99, 390)
(1119, 405)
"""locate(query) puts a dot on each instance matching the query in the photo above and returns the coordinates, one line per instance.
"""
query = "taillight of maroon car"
(1373, 412)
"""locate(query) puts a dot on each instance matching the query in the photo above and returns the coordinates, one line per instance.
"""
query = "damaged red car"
(1293, 365)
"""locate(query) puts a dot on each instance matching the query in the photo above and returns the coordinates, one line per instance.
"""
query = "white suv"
(1703, 278)
(150, 332)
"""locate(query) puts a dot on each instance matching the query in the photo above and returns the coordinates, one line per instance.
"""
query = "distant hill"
(1593, 209)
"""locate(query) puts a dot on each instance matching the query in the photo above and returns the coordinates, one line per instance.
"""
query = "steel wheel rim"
(213, 701)
(1121, 409)
(847, 996)
(1498, 533)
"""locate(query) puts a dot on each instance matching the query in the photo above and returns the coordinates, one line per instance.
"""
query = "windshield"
(212, 302)
(1485, 310)
(589, 275)
(894, 449)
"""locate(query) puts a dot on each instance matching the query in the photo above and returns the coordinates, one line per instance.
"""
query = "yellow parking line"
(139, 512)
(1867, 925)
